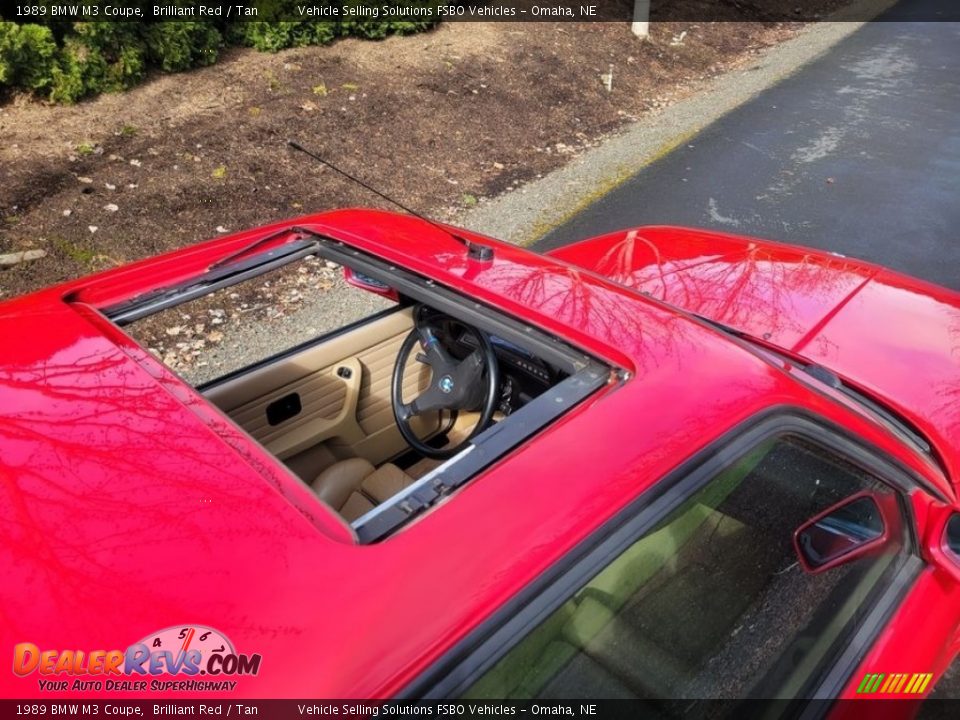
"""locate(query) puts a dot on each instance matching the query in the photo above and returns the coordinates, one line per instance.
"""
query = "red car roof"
(895, 336)
(130, 505)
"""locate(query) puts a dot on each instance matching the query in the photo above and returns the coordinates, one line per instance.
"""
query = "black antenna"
(478, 252)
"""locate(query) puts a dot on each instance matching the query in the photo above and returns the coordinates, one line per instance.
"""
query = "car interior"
(383, 412)
(328, 411)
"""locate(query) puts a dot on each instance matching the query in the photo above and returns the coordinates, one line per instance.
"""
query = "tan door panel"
(375, 411)
(381, 440)
(353, 413)
(320, 394)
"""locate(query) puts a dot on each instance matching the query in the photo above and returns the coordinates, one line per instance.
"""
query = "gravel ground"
(317, 314)
(230, 329)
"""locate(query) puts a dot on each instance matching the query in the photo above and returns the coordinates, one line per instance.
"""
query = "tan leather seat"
(354, 487)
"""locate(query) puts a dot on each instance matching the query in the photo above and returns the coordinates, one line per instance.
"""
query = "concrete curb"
(529, 212)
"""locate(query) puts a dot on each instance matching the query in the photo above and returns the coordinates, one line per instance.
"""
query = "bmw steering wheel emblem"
(446, 384)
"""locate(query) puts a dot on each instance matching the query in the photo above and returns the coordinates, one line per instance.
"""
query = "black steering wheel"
(455, 385)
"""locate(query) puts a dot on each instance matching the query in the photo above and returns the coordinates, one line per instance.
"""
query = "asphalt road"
(857, 152)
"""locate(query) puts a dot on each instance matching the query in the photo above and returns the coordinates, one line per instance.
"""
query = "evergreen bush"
(66, 61)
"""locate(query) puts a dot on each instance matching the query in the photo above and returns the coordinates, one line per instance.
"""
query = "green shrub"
(377, 29)
(80, 72)
(28, 55)
(282, 34)
(175, 46)
(98, 57)
(121, 50)
(67, 61)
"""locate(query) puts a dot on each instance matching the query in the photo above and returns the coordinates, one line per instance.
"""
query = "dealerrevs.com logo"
(188, 658)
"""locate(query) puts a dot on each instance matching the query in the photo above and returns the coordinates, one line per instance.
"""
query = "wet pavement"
(858, 152)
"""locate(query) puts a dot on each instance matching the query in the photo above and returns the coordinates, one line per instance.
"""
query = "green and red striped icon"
(894, 683)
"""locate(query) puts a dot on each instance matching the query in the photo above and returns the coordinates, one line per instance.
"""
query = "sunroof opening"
(215, 335)
(373, 385)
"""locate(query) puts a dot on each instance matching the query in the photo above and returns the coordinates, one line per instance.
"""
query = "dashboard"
(523, 375)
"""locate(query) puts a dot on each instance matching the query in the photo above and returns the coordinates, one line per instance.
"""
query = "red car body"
(130, 504)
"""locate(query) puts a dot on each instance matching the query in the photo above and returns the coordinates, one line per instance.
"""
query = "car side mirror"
(365, 282)
(847, 531)
(951, 534)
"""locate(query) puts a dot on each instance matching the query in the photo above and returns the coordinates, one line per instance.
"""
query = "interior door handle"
(284, 408)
